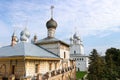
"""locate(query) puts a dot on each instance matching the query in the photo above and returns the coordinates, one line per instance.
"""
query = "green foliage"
(96, 67)
(104, 68)
(112, 59)
(80, 74)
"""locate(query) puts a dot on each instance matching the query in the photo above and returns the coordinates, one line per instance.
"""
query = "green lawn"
(80, 74)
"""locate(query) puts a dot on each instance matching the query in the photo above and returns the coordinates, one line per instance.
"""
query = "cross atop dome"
(52, 7)
(51, 25)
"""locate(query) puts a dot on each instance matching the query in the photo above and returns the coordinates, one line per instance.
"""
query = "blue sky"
(96, 21)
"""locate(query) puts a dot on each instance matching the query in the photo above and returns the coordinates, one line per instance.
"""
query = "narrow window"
(13, 69)
(64, 55)
(55, 65)
(36, 68)
(50, 66)
(74, 52)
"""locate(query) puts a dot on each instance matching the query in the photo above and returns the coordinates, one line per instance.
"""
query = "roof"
(26, 49)
(50, 40)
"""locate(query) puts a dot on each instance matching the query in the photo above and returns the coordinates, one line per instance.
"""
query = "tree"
(96, 67)
(112, 59)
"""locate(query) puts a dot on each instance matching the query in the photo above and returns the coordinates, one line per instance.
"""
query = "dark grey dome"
(51, 23)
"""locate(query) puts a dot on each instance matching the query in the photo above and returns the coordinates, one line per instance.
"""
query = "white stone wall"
(81, 62)
(58, 49)
(52, 47)
(66, 52)
(82, 49)
(43, 66)
(77, 49)
(6, 67)
(61, 50)
(77, 53)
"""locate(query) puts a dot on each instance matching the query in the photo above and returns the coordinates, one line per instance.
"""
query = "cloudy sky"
(96, 21)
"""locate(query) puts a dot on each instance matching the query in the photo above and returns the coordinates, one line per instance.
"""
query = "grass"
(80, 74)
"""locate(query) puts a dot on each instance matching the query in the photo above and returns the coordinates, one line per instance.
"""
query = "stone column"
(75, 72)
(39, 77)
(55, 72)
(11, 77)
(49, 74)
(60, 71)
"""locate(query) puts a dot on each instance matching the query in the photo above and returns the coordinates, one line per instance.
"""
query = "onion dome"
(24, 35)
(23, 38)
(75, 36)
(51, 23)
(25, 32)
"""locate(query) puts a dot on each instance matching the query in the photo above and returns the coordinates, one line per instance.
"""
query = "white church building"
(77, 53)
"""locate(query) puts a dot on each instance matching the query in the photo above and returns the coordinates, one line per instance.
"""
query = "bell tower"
(76, 46)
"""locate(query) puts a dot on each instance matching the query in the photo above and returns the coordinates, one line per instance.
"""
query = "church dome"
(51, 23)
(23, 38)
(25, 32)
(75, 36)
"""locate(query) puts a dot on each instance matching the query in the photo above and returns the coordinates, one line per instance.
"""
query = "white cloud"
(88, 15)
(91, 17)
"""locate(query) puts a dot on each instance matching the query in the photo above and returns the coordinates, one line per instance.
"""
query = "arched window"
(74, 52)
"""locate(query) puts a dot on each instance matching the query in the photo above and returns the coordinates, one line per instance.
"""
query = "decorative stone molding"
(61, 74)
(26, 78)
